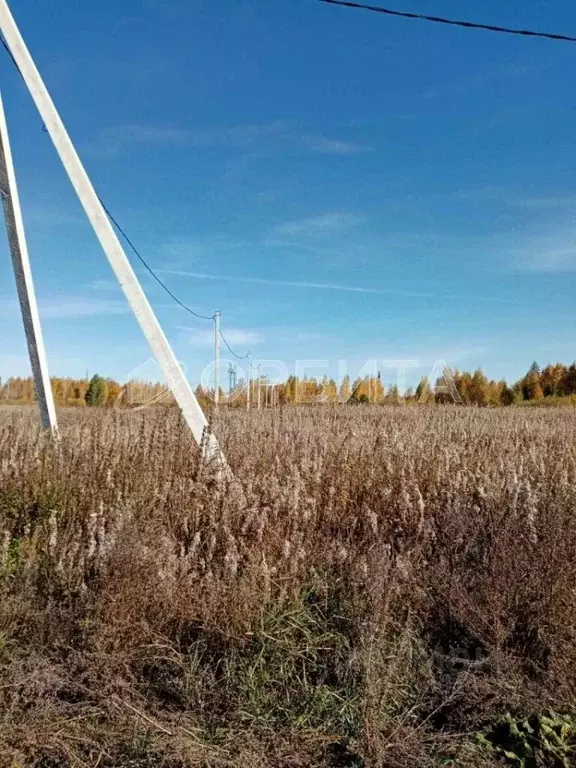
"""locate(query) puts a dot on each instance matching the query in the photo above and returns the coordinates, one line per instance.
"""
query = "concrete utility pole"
(106, 234)
(248, 381)
(232, 378)
(259, 385)
(24, 282)
(217, 316)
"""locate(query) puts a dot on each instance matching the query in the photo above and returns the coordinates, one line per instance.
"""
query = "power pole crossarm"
(24, 282)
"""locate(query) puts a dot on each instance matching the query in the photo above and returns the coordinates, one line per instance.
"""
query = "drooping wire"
(137, 253)
(9, 52)
(238, 357)
(149, 268)
(117, 225)
(452, 22)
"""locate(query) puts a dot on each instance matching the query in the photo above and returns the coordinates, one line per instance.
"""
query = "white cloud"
(195, 248)
(513, 199)
(331, 286)
(545, 253)
(546, 203)
(236, 337)
(71, 307)
(277, 134)
(299, 284)
(281, 242)
(68, 307)
(469, 86)
(51, 214)
(105, 286)
(319, 226)
(114, 139)
(549, 259)
(328, 146)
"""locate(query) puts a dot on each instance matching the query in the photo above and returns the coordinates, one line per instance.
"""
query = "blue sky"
(341, 185)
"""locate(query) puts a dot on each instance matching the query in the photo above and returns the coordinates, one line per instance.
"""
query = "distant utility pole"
(259, 367)
(231, 378)
(217, 316)
(108, 238)
(248, 381)
(24, 281)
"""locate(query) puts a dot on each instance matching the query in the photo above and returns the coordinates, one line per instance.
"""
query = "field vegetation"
(378, 586)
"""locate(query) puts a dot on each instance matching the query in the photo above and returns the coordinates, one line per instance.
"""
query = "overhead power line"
(238, 357)
(165, 287)
(121, 231)
(9, 52)
(452, 22)
(149, 268)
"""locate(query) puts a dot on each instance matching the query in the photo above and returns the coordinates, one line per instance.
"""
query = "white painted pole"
(109, 241)
(217, 316)
(24, 281)
(248, 382)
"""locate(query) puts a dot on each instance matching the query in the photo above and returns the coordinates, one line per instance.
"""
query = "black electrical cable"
(119, 228)
(149, 268)
(452, 22)
(238, 357)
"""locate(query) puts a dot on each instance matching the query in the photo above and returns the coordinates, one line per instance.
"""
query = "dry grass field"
(379, 586)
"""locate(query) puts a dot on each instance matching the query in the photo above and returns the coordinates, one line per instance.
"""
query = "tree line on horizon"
(94, 391)
(553, 384)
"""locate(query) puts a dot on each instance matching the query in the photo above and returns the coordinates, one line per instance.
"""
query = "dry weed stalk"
(375, 582)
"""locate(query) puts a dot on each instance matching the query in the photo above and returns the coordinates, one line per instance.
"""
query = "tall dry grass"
(374, 586)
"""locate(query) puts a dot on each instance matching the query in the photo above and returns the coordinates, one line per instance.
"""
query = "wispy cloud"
(514, 198)
(236, 337)
(162, 5)
(44, 214)
(277, 134)
(106, 286)
(186, 250)
(331, 286)
(299, 284)
(470, 85)
(292, 245)
(542, 253)
(68, 307)
(112, 140)
(547, 259)
(241, 136)
(546, 203)
(320, 226)
(71, 307)
(327, 146)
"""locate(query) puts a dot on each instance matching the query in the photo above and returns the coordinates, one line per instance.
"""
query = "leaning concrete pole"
(107, 236)
(24, 282)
